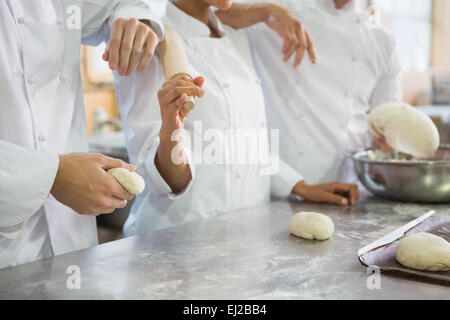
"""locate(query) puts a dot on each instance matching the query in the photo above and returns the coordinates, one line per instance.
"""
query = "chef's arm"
(296, 38)
(387, 89)
(78, 180)
(131, 29)
(26, 177)
(389, 85)
(243, 15)
(171, 159)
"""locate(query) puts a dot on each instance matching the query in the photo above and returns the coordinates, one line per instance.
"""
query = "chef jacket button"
(21, 20)
(41, 137)
(62, 77)
(59, 22)
(226, 85)
(30, 81)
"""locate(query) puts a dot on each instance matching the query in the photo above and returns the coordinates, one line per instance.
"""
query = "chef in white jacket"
(231, 106)
(321, 108)
(48, 193)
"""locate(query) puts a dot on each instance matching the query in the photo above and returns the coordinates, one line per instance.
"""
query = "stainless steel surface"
(247, 254)
(396, 176)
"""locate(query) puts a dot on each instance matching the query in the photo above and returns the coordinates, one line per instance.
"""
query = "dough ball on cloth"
(131, 181)
(311, 225)
(406, 129)
(424, 251)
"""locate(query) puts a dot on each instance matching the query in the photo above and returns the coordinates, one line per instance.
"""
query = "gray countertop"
(247, 254)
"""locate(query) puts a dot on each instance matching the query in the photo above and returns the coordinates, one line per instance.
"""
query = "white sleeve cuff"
(157, 183)
(27, 178)
(284, 180)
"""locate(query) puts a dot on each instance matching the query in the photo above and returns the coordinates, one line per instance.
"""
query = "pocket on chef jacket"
(43, 50)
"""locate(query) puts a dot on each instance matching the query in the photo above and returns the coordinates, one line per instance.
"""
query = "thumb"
(111, 163)
(334, 198)
(105, 55)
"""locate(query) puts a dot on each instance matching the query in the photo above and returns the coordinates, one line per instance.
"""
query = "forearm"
(242, 15)
(172, 164)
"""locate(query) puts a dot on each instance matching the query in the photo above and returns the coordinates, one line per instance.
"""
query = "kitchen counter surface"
(247, 254)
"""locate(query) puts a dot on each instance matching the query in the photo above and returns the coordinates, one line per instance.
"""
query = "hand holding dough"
(424, 251)
(405, 129)
(131, 181)
(311, 225)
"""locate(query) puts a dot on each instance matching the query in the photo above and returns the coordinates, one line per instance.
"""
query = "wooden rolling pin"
(174, 60)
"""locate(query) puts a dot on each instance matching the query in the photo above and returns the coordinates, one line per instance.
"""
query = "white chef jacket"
(42, 115)
(233, 100)
(321, 110)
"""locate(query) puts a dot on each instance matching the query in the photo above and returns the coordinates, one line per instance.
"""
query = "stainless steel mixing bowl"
(397, 176)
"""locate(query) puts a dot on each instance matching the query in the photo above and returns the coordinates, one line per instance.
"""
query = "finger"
(311, 48)
(113, 202)
(179, 103)
(191, 90)
(150, 45)
(105, 55)
(111, 163)
(127, 45)
(138, 47)
(115, 190)
(334, 198)
(115, 42)
(300, 53)
(105, 211)
(173, 81)
(286, 44)
(293, 46)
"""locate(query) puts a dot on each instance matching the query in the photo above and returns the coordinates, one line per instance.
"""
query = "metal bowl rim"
(357, 156)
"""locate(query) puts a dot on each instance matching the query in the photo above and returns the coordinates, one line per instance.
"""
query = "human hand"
(172, 97)
(335, 192)
(379, 140)
(130, 38)
(82, 183)
(296, 38)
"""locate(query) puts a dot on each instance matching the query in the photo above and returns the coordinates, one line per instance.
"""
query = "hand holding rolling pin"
(172, 98)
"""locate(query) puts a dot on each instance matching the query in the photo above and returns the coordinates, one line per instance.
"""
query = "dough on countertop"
(406, 129)
(311, 225)
(424, 251)
(131, 181)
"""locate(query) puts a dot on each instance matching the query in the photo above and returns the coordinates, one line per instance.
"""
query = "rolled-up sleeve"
(26, 177)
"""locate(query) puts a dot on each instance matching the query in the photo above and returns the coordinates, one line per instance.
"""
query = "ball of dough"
(311, 225)
(405, 128)
(131, 181)
(424, 251)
